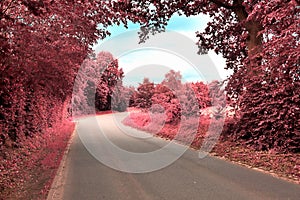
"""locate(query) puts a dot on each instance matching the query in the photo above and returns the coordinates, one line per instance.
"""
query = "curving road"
(81, 176)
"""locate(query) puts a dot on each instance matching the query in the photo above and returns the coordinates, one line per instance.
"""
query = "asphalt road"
(84, 177)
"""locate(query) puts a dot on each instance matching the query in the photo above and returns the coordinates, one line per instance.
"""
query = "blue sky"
(154, 63)
(177, 23)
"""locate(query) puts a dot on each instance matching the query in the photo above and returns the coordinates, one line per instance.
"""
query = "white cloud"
(137, 63)
(155, 63)
(141, 63)
(218, 60)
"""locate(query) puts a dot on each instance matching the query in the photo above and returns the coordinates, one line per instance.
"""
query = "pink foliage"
(173, 98)
(39, 156)
(95, 84)
(260, 42)
(121, 97)
(139, 120)
(144, 93)
(184, 131)
(42, 45)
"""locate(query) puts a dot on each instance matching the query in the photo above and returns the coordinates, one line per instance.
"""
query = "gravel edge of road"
(259, 169)
(56, 189)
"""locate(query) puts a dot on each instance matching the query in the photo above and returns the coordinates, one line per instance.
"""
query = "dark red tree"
(144, 94)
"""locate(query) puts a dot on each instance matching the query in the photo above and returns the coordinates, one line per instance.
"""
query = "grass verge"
(281, 165)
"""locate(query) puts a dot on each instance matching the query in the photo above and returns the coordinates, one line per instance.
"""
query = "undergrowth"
(27, 170)
(286, 165)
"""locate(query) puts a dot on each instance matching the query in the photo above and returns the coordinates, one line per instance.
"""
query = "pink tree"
(120, 98)
(109, 76)
(202, 94)
(167, 94)
(95, 84)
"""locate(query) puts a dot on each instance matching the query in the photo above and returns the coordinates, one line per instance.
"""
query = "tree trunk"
(254, 41)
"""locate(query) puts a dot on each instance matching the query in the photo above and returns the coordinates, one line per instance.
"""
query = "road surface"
(82, 176)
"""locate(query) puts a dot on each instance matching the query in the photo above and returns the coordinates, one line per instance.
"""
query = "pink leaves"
(260, 41)
(155, 123)
(38, 156)
(95, 84)
(172, 97)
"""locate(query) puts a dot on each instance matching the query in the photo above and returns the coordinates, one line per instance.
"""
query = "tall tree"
(95, 83)
(109, 76)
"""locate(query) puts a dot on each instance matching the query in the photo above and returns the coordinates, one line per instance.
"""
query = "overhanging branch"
(222, 4)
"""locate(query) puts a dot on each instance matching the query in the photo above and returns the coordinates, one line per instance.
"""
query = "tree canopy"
(260, 42)
(42, 44)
